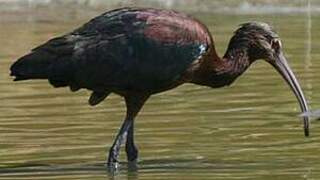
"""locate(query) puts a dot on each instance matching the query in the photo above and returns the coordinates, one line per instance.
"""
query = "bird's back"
(121, 50)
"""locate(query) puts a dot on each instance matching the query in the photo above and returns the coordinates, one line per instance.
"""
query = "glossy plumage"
(125, 50)
(137, 52)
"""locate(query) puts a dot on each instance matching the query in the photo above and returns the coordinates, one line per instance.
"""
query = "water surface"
(247, 131)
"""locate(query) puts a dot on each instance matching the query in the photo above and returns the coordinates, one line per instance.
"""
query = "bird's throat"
(217, 72)
(227, 69)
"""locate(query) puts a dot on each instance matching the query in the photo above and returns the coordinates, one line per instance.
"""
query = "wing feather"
(138, 49)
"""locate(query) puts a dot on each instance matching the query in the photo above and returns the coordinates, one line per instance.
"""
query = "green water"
(247, 131)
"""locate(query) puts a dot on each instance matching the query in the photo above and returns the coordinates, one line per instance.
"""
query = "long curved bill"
(281, 65)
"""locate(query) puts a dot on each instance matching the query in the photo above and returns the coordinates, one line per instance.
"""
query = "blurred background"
(250, 130)
(48, 9)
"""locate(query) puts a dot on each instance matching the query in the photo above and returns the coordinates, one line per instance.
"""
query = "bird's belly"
(151, 87)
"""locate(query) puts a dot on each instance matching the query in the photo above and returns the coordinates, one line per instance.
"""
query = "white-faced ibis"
(137, 52)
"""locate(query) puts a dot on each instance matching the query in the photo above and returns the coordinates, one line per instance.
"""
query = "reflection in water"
(308, 60)
(309, 34)
(247, 131)
(165, 168)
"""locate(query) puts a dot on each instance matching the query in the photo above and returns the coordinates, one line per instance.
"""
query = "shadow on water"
(101, 168)
(42, 170)
(159, 166)
(131, 170)
(165, 165)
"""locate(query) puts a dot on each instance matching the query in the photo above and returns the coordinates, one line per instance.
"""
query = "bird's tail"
(41, 64)
(32, 66)
(51, 60)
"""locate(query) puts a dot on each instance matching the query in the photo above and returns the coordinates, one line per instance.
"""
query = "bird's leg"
(115, 148)
(131, 150)
(134, 104)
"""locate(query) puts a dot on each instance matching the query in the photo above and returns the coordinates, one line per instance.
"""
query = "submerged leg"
(134, 104)
(115, 148)
(131, 150)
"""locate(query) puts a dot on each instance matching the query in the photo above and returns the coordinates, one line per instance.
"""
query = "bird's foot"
(113, 166)
(132, 154)
(113, 158)
(133, 166)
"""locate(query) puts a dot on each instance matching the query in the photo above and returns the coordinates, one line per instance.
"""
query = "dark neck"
(235, 61)
(224, 71)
